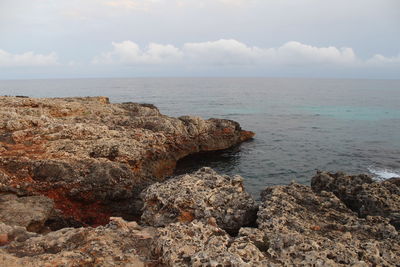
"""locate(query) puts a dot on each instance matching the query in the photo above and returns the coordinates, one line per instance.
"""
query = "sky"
(196, 38)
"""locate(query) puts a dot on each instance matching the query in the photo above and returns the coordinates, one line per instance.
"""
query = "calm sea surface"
(301, 124)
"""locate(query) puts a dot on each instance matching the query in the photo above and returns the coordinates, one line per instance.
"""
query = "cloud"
(28, 59)
(222, 52)
(380, 59)
(298, 53)
(128, 52)
(227, 52)
(132, 4)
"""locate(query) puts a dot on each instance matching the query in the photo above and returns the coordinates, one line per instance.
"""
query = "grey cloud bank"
(117, 38)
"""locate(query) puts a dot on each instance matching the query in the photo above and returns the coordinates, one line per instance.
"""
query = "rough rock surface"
(30, 212)
(119, 243)
(93, 158)
(199, 244)
(362, 194)
(298, 227)
(10, 233)
(203, 195)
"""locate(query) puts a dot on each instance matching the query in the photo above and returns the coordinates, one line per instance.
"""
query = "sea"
(301, 125)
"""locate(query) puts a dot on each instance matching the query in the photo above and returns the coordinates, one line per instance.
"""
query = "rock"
(298, 227)
(203, 195)
(10, 233)
(94, 158)
(199, 244)
(29, 212)
(119, 243)
(3, 239)
(362, 194)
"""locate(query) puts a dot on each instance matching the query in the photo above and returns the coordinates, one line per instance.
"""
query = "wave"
(383, 174)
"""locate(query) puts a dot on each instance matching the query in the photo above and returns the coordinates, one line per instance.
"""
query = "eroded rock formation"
(31, 212)
(76, 161)
(93, 158)
(200, 244)
(204, 195)
(119, 243)
(362, 194)
(296, 226)
(300, 227)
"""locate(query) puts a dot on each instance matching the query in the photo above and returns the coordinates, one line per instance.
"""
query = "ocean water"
(302, 125)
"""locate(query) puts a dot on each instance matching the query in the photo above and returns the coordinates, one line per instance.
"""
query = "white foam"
(383, 174)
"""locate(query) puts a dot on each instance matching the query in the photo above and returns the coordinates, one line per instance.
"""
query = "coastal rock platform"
(70, 168)
(93, 158)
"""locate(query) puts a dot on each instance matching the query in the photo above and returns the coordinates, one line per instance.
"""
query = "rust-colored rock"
(93, 158)
(3, 239)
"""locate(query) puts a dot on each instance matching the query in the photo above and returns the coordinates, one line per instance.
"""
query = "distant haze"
(147, 38)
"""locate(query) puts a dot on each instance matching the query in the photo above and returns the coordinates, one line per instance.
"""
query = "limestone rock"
(201, 195)
(30, 212)
(362, 194)
(303, 228)
(119, 243)
(199, 244)
(10, 233)
(93, 158)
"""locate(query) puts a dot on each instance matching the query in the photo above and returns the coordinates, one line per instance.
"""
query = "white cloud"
(227, 52)
(222, 52)
(27, 59)
(380, 59)
(295, 52)
(128, 52)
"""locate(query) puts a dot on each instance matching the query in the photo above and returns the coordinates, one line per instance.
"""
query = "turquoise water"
(354, 113)
(301, 124)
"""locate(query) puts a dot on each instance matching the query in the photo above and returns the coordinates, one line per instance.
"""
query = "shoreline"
(80, 162)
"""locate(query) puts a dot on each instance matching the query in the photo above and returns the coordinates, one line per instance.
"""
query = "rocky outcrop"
(362, 194)
(298, 227)
(186, 225)
(203, 195)
(93, 158)
(10, 233)
(78, 161)
(30, 212)
(199, 244)
(119, 243)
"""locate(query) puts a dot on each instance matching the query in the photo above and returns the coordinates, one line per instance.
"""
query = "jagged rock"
(362, 194)
(93, 158)
(201, 195)
(10, 233)
(298, 227)
(199, 244)
(29, 212)
(119, 243)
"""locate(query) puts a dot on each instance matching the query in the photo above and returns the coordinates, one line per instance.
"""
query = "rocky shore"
(83, 183)
(93, 158)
